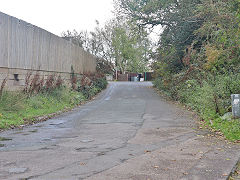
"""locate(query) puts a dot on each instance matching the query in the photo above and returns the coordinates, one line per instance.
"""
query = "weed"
(2, 86)
(59, 82)
(40, 99)
(210, 98)
(27, 82)
(49, 84)
(12, 101)
(35, 84)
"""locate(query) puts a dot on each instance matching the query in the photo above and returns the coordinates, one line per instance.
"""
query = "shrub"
(2, 86)
(101, 83)
(41, 97)
(91, 84)
(37, 84)
(210, 97)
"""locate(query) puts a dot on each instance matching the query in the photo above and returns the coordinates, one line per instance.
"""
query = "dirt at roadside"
(236, 174)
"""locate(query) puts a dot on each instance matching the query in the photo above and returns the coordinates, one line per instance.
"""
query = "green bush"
(90, 89)
(210, 97)
(101, 83)
(198, 98)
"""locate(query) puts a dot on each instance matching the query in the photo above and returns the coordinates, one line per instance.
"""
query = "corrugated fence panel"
(23, 61)
(29, 38)
(4, 40)
(44, 50)
(28, 47)
(13, 46)
(52, 53)
(35, 49)
(74, 59)
(67, 61)
(81, 62)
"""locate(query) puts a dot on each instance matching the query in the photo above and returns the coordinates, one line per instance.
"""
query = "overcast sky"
(57, 16)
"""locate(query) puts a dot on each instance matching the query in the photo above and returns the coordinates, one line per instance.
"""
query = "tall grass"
(41, 98)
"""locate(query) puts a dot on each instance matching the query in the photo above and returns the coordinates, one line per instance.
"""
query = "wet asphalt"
(127, 132)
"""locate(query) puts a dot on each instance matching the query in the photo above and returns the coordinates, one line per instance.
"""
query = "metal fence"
(28, 47)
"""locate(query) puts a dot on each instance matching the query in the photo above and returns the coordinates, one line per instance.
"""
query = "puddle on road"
(33, 131)
(100, 153)
(38, 126)
(87, 140)
(55, 124)
(19, 132)
(5, 139)
(25, 134)
(81, 149)
(46, 148)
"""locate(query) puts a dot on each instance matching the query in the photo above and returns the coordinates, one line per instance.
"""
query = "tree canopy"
(119, 42)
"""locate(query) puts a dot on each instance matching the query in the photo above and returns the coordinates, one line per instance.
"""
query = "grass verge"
(18, 108)
(202, 105)
(229, 128)
(236, 174)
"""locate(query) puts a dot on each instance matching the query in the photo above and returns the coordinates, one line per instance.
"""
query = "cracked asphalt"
(127, 132)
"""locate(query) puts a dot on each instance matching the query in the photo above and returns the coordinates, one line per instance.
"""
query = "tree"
(131, 48)
(118, 42)
(95, 43)
(177, 18)
(78, 38)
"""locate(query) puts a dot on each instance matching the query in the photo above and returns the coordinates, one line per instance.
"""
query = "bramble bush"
(90, 84)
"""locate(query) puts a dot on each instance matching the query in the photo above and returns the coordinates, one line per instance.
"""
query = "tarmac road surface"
(127, 132)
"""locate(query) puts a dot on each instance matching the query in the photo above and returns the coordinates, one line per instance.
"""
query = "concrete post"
(236, 105)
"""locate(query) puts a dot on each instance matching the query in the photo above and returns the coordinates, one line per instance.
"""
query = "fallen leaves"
(238, 141)
(147, 151)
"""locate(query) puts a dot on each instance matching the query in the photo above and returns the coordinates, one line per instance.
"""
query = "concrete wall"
(25, 47)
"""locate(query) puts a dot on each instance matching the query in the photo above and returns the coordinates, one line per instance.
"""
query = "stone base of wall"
(16, 78)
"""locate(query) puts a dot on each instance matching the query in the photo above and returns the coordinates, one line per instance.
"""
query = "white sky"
(57, 16)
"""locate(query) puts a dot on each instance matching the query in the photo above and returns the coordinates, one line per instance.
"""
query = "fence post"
(236, 105)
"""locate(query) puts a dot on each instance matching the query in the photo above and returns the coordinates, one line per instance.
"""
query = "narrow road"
(127, 132)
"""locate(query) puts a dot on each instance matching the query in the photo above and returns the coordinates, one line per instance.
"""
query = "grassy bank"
(18, 108)
(210, 98)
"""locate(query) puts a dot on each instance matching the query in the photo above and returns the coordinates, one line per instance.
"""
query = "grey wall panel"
(25, 46)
